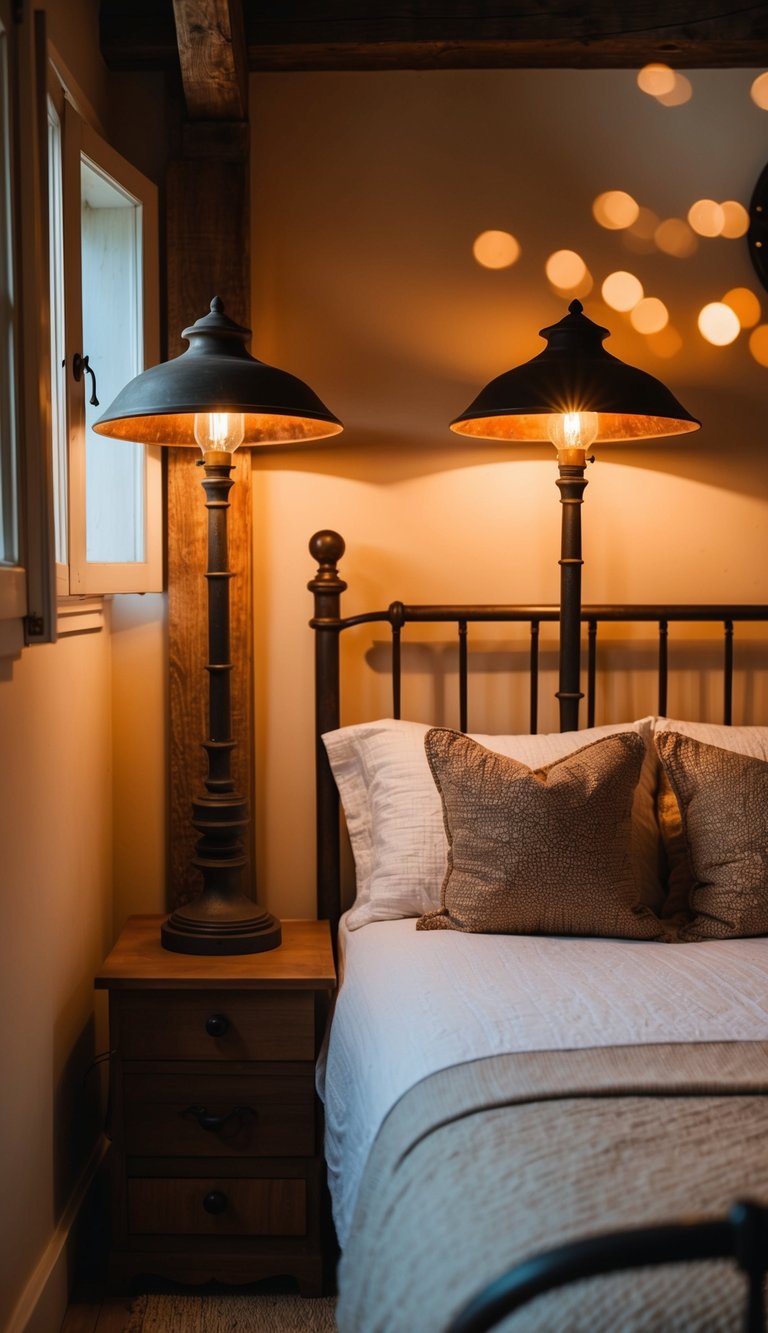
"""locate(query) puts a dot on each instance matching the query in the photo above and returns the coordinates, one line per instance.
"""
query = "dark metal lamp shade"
(574, 374)
(216, 373)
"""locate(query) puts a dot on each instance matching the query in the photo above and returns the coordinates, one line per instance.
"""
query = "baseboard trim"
(52, 1269)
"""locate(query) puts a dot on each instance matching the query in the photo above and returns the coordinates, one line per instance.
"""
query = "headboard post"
(327, 548)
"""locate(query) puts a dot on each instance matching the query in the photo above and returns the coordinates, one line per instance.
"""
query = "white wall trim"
(45, 1270)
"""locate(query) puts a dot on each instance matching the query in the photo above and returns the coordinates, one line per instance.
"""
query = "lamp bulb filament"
(573, 430)
(219, 430)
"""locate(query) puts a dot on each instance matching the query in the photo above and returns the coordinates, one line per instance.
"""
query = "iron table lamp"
(218, 396)
(573, 394)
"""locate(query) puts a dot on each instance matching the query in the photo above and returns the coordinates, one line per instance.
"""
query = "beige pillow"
(723, 801)
(539, 851)
(679, 874)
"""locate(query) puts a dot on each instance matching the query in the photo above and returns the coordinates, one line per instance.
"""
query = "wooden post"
(208, 249)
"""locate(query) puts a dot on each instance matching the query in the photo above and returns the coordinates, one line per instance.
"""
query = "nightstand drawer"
(210, 1207)
(216, 1025)
(216, 1115)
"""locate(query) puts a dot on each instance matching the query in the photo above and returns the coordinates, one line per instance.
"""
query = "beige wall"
(70, 805)
(368, 191)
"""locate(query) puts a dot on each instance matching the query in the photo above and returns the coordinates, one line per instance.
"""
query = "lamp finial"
(217, 305)
(575, 308)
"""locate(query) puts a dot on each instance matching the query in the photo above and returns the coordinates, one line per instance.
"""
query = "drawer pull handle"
(215, 1202)
(215, 1123)
(216, 1025)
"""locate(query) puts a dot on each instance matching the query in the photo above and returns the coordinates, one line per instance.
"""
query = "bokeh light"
(496, 249)
(758, 344)
(615, 209)
(745, 306)
(565, 269)
(656, 79)
(735, 219)
(706, 217)
(678, 94)
(666, 343)
(639, 237)
(759, 92)
(673, 236)
(719, 323)
(649, 315)
(622, 290)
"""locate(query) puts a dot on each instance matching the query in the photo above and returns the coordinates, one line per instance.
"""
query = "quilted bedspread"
(486, 1163)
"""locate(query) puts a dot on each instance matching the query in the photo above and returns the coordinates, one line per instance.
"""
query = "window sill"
(79, 615)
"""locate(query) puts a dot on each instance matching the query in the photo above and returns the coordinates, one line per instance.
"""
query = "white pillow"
(742, 740)
(395, 819)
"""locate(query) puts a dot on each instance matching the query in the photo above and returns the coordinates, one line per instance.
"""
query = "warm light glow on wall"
(656, 79)
(759, 94)
(758, 344)
(680, 93)
(706, 217)
(745, 306)
(615, 209)
(674, 237)
(622, 290)
(719, 323)
(666, 343)
(496, 249)
(566, 270)
(735, 219)
(649, 315)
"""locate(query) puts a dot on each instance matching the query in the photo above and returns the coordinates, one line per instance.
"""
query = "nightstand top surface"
(304, 961)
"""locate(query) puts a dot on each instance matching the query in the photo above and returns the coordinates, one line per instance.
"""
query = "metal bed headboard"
(327, 586)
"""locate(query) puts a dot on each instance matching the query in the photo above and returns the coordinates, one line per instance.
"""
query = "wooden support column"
(207, 249)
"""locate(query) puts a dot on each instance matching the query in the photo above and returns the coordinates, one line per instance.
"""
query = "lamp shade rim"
(216, 374)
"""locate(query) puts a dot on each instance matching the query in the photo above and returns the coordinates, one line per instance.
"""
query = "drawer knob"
(215, 1123)
(216, 1025)
(215, 1202)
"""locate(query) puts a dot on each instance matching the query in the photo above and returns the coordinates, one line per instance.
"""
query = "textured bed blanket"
(481, 1165)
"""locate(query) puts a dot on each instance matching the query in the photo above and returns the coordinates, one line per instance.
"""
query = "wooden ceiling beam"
(210, 36)
(430, 34)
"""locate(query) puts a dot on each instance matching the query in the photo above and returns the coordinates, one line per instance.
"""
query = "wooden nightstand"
(217, 1173)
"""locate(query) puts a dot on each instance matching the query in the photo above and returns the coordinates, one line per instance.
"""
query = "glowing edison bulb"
(219, 430)
(572, 430)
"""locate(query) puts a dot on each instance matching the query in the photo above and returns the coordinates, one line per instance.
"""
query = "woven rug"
(231, 1314)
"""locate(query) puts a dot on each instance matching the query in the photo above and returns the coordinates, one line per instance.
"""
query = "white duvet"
(413, 1002)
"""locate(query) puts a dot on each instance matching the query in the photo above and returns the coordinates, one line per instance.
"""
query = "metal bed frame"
(327, 586)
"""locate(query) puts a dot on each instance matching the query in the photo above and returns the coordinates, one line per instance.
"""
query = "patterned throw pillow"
(394, 814)
(723, 801)
(540, 851)
(679, 874)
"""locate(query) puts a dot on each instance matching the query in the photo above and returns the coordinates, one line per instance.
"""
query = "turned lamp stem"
(223, 919)
(571, 483)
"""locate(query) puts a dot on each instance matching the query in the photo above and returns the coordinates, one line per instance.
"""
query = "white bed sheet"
(413, 1002)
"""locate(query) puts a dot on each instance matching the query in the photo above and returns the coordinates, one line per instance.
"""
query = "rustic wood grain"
(304, 961)
(207, 255)
(211, 41)
(429, 34)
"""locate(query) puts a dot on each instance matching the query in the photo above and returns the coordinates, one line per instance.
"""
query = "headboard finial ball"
(327, 547)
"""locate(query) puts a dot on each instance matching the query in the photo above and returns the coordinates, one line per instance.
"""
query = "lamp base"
(220, 927)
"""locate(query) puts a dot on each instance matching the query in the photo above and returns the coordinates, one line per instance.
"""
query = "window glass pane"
(113, 343)
(58, 340)
(9, 532)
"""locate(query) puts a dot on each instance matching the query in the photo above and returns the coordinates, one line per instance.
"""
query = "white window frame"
(90, 577)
